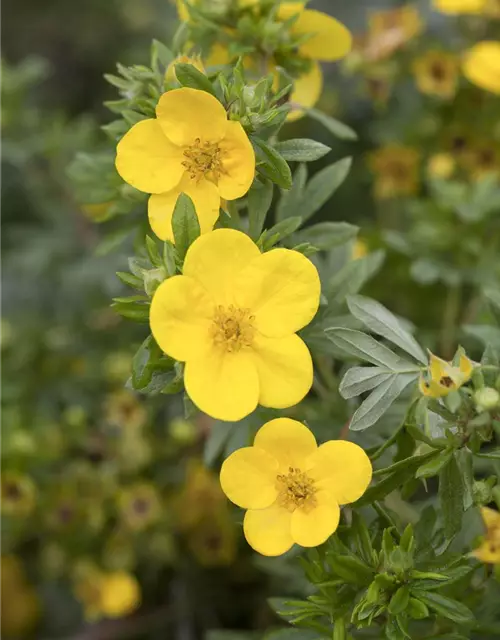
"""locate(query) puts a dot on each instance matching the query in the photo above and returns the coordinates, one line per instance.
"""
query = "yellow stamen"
(203, 160)
(296, 490)
(232, 328)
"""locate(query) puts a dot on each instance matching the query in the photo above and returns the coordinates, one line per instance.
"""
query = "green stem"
(381, 511)
(387, 443)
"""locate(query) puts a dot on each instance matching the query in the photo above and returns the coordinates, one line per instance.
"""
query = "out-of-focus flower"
(190, 147)
(105, 595)
(213, 540)
(117, 366)
(292, 488)
(444, 377)
(123, 410)
(200, 498)
(378, 86)
(389, 31)
(182, 431)
(139, 506)
(492, 9)
(18, 494)
(481, 160)
(396, 170)
(441, 165)
(436, 74)
(359, 249)
(456, 7)
(481, 66)
(195, 60)
(489, 550)
(97, 212)
(232, 317)
(20, 605)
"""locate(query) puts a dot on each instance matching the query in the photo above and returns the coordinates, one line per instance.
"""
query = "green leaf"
(327, 235)
(433, 467)
(302, 150)
(147, 354)
(446, 607)
(484, 333)
(451, 491)
(189, 76)
(271, 164)
(169, 258)
(357, 380)
(153, 253)
(131, 280)
(160, 53)
(464, 460)
(339, 129)
(362, 346)
(289, 203)
(377, 403)
(350, 568)
(280, 230)
(381, 321)
(417, 610)
(259, 201)
(353, 276)
(133, 311)
(362, 537)
(219, 434)
(399, 600)
(185, 224)
(322, 186)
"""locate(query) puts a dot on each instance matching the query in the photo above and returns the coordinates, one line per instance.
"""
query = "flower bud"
(486, 399)
(481, 492)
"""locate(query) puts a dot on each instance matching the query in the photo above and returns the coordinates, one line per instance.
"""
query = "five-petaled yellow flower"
(106, 595)
(232, 318)
(489, 550)
(481, 66)
(292, 488)
(445, 377)
(190, 147)
(436, 74)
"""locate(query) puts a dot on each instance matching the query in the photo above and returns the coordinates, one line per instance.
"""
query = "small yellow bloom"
(481, 66)
(232, 317)
(292, 488)
(489, 550)
(190, 147)
(139, 506)
(123, 410)
(441, 165)
(170, 75)
(445, 377)
(390, 30)
(18, 494)
(120, 594)
(459, 6)
(396, 170)
(359, 249)
(436, 74)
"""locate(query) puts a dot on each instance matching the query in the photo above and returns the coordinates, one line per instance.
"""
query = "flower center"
(296, 489)
(203, 160)
(232, 328)
(447, 382)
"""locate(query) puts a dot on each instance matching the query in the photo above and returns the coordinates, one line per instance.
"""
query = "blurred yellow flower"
(489, 550)
(492, 9)
(481, 66)
(481, 160)
(195, 60)
(200, 498)
(436, 74)
(444, 376)
(19, 605)
(190, 147)
(106, 595)
(232, 317)
(396, 170)
(459, 6)
(213, 541)
(292, 488)
(139, 506)
(18, 494)
(390, 30)
(441, 165)
(359, 249)
(123, 410)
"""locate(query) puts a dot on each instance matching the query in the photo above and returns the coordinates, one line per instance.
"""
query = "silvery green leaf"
(259, 201)
(353, 276)
(382, 322)
(339, 129)
(326, 235)
(302, 150)
(289, 204)
(360, 379)
(362, 346)
(185, 224)
(322, 186)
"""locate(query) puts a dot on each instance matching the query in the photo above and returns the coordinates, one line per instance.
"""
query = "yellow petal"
(180, 318)
(238, 161)
(306, 92)
(486, 553)
(288, 441)
(311, 528)
(216, 259)
(187, 114)
(223, 385)
(268, 530)
(481, 66)
(147, 160)
(432, 389)
(330, 39)
(342, 468)
(205, 197)
(466, 367)
(248, 478)
(282, 288)
(460, 6)
(439, 369)
(285, 370)
(491, 518)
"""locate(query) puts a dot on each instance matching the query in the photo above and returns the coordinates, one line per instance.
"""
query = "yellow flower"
(445, 377)
(459, 6)
(213, 541)
(492, 9)
(292, 488)
(441, 165)
(481, 66)
(396, 170)
(489, 550)
(120, 594)
(359, 249)
(232, 318)
(123, 410)
(139, 506)
(390, 30)
(481, 160)
(201, 496)
(18, 494)
(20, 605)
(436, 74)
(190, 147)
(170, 75)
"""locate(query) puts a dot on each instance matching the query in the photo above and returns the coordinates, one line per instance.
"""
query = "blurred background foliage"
(117, 488)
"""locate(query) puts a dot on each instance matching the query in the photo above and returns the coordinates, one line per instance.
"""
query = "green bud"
(417, 610)
(486, 399)
(481, 492)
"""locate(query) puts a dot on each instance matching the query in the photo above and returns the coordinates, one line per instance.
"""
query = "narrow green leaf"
(289, 203)
(153, 253)
(433, 467)
(339, 129)
(259, 201)
(350, 569)
(219, 434)
(353, 276)
(327, 235)
(464, 460)
(446, 607)
(302, 150)
(362, 346)
(160, 53)
(322, 186)
(271, 164)
(280, 231)
(131, 280)
(451, 491)
(357, 380)
(400, 600)
(185, 224)
(189, 76)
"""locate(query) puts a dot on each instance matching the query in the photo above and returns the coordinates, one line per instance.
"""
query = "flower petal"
(306, 91)
(311, 528)
(330, 39)
(285, 370)
(268, 530)
(288, 441)
(223, 385)
(342, 468)
(238, 161)
(491, 518)
(206, 200)
(180, 318)
(282, 288)
(486, 553)
(215, 259)
(187, 114)
(481, 66)
(248, 478)
(146, 159)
